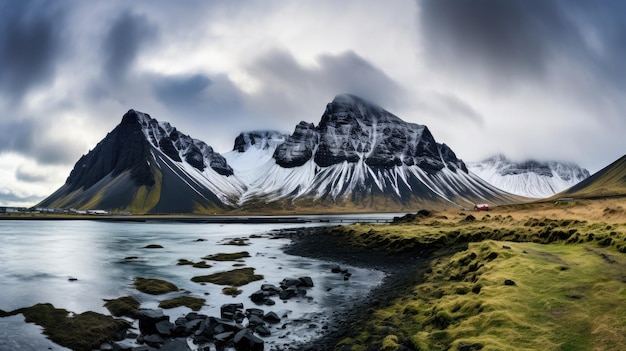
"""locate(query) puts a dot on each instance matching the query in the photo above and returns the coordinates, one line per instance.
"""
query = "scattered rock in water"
(238, 242)
(72, 279)
(200, 240)
(194, 303)
(154, 286)
(236, 277)
(148, 319)
(231, 291)
(153, 246)
(184, 262)
(227, 256)
(506, 247)
(201, 264)
(335, 269)
(246, 341)
(131, 258)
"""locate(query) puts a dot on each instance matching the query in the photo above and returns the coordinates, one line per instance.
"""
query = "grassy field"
(564, 267)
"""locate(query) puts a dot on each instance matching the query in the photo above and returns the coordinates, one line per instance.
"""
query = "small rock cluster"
(337, 269)
(236, 327)
(289, 288)
(158, 332)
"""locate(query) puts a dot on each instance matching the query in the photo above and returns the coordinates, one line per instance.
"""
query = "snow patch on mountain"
(529, 178)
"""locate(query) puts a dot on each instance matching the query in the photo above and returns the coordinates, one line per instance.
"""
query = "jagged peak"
(134, 116)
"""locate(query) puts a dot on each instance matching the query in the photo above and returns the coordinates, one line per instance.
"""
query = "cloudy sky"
(533, 79)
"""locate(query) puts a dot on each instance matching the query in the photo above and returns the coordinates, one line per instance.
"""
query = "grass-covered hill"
(546, 277)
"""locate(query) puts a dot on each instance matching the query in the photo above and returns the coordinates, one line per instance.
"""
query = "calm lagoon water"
(37, 258)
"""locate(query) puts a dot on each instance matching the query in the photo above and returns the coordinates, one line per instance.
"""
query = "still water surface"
(38, 257)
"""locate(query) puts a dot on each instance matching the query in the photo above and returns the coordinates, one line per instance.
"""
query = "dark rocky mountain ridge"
(358, 156)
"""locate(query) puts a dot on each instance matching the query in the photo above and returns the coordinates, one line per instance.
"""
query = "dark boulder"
(148, 320)
(179, 344)
(246, 341)
(271, 317)
(509, 282)
(231, 310)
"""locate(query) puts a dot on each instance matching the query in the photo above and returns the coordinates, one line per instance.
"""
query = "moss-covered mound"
(154, 286)
(236, 277)
(82, 332)
(507, 296)
(124, 306)
(231, 291)
(194, 303)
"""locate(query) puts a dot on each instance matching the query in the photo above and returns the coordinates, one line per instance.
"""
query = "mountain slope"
(530, 178)
(149, 167)
(609, 181)
(360, 156)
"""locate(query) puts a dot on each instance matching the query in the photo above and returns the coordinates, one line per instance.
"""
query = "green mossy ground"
(569, 292)
(193, 303)
(235, 277)
(126, 306)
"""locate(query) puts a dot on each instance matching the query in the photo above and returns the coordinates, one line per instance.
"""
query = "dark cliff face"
(352, 129)
(128, 148)
(123, 149)
(299, 147)
(181, 147)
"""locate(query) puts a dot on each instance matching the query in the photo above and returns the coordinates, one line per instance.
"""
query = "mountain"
(609, 181)
(529, 178)
(359, 157)
(146, 166)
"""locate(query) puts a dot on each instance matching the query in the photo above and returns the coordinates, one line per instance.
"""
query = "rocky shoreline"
(403, 271)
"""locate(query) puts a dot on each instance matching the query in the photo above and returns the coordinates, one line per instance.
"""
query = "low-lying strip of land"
(528, 277)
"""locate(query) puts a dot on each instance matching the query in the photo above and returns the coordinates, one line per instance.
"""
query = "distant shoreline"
(221, 219)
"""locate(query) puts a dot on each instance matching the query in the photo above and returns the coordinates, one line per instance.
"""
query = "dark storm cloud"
(30, 44)
(522, 39)
(348, 72)
(198, 95)
(128, 34)
(16, 136)
(176, 90)
(25, 175)
(506, 38)
(29, 137)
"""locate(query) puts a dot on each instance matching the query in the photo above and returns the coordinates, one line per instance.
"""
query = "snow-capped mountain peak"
(529, 178)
